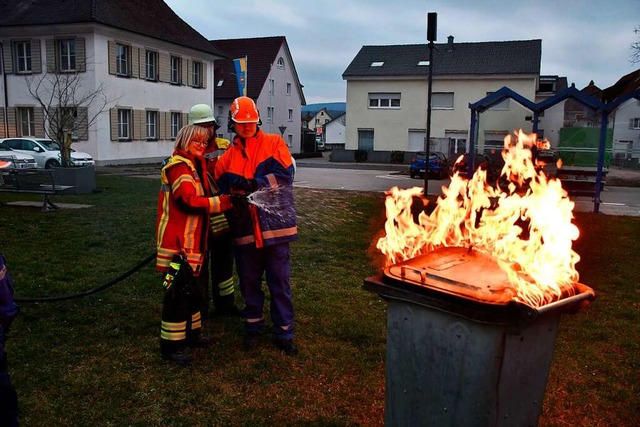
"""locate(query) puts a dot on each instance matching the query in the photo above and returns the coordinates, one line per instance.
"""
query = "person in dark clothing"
(220, 250)
(8, 312)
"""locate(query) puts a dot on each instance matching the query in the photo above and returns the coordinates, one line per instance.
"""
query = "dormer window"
(377, 63)
(423, 63)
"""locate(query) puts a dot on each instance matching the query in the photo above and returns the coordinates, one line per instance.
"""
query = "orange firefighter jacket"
(184, 205)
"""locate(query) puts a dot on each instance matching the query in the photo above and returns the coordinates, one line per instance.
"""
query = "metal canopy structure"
(571, 92)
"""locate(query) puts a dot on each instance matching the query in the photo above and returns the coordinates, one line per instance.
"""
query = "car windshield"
(49, 144)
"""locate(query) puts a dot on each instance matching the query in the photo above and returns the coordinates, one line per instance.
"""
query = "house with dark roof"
(271, 80)
(551, 121)
(626, 122)
(387, 91)
(150, 65)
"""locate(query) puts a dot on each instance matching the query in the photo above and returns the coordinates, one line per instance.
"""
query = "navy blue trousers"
(273, 263)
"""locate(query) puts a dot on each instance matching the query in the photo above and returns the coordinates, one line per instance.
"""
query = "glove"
(226, 202)
(246, 185)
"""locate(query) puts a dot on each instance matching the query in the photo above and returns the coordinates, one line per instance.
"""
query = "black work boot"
(226, 307)
(287, 346)
(181, 357)
(251, 341)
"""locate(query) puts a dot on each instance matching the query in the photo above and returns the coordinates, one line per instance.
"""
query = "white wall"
(621, 129)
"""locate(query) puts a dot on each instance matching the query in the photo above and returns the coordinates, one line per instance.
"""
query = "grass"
(95, 360)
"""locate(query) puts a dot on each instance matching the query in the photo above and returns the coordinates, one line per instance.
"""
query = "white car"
(16, 159)
(45, 151)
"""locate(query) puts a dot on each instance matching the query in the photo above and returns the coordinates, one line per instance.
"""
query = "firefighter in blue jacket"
(261, 237)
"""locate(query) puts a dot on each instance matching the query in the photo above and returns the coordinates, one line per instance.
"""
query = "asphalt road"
(358, 177)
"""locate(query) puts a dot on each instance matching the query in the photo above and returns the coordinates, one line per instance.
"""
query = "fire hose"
(102, 287)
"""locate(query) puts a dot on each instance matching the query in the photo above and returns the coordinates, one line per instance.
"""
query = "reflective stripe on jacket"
(265, 158)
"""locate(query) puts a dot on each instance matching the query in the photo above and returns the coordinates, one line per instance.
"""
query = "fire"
(524, 223)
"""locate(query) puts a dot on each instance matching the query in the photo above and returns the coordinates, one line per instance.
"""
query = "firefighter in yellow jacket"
(185, 204)
(220, 265)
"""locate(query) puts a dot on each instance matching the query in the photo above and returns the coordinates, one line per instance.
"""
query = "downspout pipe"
(5, 117)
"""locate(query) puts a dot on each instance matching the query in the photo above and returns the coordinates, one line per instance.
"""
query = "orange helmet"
(244, 110)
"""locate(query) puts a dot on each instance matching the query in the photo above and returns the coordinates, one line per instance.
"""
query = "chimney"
(450, 44)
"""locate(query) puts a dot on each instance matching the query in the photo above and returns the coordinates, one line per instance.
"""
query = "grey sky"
(581, 39)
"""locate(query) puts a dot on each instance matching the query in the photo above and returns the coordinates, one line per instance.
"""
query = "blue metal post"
(601, 148)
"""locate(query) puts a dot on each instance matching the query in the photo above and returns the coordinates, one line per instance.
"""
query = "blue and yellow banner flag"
(241, 74)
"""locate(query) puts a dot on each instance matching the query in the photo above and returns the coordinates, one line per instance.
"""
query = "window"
(176, 66)
(280, 63)
(365, 140)
(384, 100)
(122, 60)
(270, 114)
(176, 122)
(635, 123)
(423, 63)
(502, 105)
(151, 65)
(272, 84)
(289, 140)
(26, 123)
(124, 124)
(290, 114)
(67, 55)
(442, 100)
(152, 125)
(377, 63)
(289, 89)
(196, 74)
(23, 56)
(220, 83)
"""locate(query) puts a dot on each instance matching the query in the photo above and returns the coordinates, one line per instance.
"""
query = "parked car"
(493, 165)
(16, 159)
(45, 151)
(438, 165)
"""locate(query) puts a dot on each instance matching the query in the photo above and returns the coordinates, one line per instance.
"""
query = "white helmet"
(201, 113)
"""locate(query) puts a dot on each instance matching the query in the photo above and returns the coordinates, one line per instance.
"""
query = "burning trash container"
(461, 350)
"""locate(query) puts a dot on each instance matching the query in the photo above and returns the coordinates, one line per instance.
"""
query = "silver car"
(45, 151)
(16, 159)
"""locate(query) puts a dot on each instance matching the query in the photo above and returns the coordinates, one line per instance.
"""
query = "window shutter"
(164, 67)
(204, 74)
(7, 52)
(162, 119)
(81, 60)
(51, 55)
(38, 120)
(83, 123)
(184, 120)
(183, 65)
(113, 124)
(189, 72)
(138, 124)
(112, 64)
(36, 58)
(12, 121)
(2, 127)
(135, 61)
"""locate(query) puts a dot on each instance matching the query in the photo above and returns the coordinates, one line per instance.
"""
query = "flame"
(524, 222)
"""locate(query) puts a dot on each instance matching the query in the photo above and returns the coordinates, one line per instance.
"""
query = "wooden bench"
(34, 181)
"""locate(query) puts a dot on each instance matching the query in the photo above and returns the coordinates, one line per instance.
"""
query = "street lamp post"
(432, 19)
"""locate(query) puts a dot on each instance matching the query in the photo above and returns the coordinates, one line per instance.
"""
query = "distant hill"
(333, 108)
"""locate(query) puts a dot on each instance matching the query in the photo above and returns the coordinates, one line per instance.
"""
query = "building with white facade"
(150, 65)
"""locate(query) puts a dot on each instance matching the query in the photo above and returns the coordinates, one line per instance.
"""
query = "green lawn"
(95, 360)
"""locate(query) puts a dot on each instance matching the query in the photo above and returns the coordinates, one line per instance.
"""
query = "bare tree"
(69, 106)
(635, 47)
